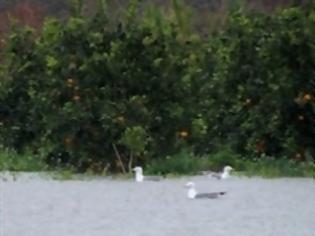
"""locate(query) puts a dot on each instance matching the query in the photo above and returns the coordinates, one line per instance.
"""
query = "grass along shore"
(182, 163)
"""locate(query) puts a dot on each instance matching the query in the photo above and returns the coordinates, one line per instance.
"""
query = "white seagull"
(225, 174)
(139, 177)
(193, 194)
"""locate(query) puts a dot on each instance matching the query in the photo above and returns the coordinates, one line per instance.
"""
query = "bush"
(183, 162)
(13, 161)
(83, 87)
(93, 92)
(263, 92)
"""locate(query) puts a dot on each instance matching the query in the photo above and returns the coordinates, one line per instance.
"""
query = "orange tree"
(83, 87)
(264, 83)
(93, 93)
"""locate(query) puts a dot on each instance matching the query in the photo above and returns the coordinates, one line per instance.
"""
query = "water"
(34, 206)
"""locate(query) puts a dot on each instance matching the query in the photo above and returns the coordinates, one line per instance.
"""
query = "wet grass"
(264, 166)
(10, 160)
(183, 163)
(282, 167)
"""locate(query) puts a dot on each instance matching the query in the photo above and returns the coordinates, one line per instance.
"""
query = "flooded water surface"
(36, 206)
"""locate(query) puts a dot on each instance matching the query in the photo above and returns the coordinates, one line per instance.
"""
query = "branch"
(119, 159)
(130, 162)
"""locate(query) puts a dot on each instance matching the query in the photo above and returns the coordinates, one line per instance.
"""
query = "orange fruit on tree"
(183, 134)
(76, 98)
(121, 119)
(67, 140)
(298, 156)
(307, 97)
(261, 146)
(70, 82)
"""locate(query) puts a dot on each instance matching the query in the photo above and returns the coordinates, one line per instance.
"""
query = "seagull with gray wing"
(139, 177)
(225, 174)
(193, 194)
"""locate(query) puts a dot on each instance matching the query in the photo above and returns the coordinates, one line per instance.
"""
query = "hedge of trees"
(90, 92)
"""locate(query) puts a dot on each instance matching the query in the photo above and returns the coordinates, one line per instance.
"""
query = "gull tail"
(215, 175)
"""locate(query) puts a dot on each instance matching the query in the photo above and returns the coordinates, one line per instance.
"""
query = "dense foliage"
(88, 93)
(265, 83)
